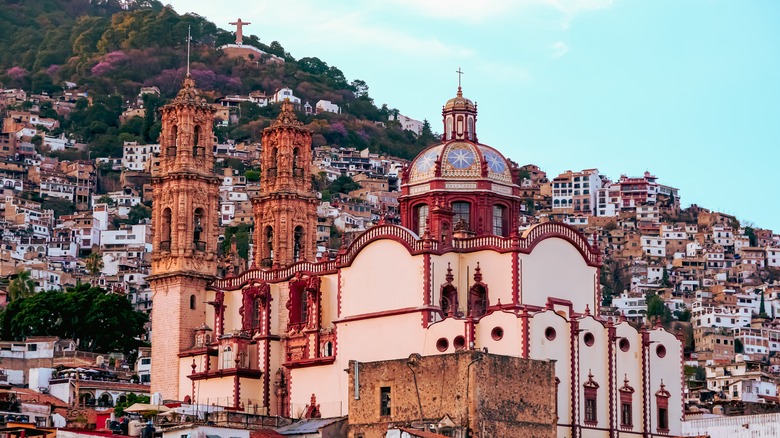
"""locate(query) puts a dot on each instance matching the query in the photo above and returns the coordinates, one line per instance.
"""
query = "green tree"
(252, 175)
(22, 286)
(131, 399)
(94, 265)
(59, 205)
(138, 213)
(656, 308)
(97, 320)
(343, 184)
(243, 234)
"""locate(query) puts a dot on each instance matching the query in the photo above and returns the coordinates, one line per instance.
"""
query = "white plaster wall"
(383, 276)
(557, 349)
(542, 275)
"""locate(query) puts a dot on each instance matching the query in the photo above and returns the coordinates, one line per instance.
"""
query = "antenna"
(189, 38)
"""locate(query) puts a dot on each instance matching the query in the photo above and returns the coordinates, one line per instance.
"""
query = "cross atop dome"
(459, 116)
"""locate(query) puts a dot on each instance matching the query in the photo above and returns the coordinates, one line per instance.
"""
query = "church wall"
(628, 365)
(594, 360)
(232, 303)
(495, 269)
(383, 276)
(505, 324)
(542, 275)
(557, 349)
(329, 290)
(668, 368)
(328, 383)
(448, 329)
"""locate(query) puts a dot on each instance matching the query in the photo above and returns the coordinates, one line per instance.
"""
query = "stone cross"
(460, 74)
(239, 30)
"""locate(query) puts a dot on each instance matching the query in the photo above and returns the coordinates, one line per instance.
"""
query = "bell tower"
(184, 216)
(286, 209)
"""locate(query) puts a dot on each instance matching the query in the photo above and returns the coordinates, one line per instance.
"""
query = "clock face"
(460, 158)
(426, 162)
(495, 163)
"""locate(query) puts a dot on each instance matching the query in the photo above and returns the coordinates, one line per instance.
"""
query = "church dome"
(460, 160)
(460, 102)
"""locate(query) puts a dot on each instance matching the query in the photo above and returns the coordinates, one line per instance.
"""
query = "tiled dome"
(460, 160)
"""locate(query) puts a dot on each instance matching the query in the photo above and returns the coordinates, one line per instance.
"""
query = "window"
(192, 302)
(227, 358)
(590, 410)
(384, 401)
(297, 243)
(462, 212)
(663, 419)
(32, 347)
(421, 218)
(499, 227)
(625, 415)
(146, 361)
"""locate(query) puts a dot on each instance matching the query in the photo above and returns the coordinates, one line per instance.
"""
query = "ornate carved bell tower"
(286, 209)
(184, 218)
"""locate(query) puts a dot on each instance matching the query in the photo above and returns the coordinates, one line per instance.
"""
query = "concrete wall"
(747, 426)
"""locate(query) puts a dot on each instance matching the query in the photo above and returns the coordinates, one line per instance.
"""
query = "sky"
(686, 89)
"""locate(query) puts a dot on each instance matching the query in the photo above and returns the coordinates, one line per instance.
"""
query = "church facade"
(457, 274)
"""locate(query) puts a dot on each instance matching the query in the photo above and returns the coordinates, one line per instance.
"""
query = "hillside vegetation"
(111, 49)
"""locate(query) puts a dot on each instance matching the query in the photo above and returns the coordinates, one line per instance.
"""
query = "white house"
(285, 94)
(408, 123)
(327, 106)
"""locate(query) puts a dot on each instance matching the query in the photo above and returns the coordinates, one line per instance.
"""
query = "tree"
(343, 184)
(97, 320)
(138, 213)
(22, 286)
(59, 205)
(94, 264)
(131, 399)
(105, 199)
(252, 175)
(656, 308)
(615, 279)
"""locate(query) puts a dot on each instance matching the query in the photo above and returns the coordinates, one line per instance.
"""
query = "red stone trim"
(310, 362)
(525, 244)
(516, 280)
(238, 372)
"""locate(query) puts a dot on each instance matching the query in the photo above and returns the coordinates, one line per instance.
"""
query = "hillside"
(111, 49)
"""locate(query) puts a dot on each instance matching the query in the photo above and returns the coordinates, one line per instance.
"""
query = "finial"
(460, 75)
(449, 277)
(189, 38)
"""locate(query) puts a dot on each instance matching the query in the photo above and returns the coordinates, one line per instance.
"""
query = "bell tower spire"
(286, 210)
(185, 195)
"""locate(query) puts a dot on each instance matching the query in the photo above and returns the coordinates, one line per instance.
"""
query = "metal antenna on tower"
(189, 38)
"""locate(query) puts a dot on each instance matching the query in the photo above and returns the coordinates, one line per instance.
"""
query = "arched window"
(171, 152)
(460, 126)
(591, 401)
(499, 220)
(268, 237)
(477, 300)
(192, 302)
(471, 128)
(297, 243)
(274, 156)
(197, 230)
(227, 358)
(449, 132)
(197, 149)
(421, 218)
(462, 215)
(449, 301)
(256, 313)
(327, 349)
(299, 305)
(295, 158)
(165, 230)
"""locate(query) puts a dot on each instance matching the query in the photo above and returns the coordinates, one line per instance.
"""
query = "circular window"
(589, 339)
(497, 333)
(549, 333)
(624, 344)
(660, 350)
(459, 343)
(442, 344)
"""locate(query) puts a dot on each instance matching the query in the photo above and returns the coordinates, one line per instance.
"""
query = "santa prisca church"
(457, 274)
